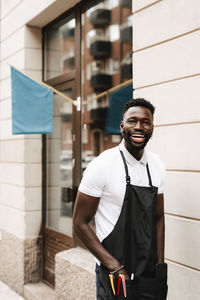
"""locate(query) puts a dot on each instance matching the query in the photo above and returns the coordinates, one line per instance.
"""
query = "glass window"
(95, 35)
(59, 174)
(106, 62)
(59, 52)
(96, 67)
(93, 8)
(111, 3)
(112, 66)
(113, 33)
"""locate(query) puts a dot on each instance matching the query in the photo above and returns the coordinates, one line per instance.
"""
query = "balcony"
(126, 35)
(101, 82)
(69, 62)
(100, 17)
(98, 114)
(126, 71)
(101, 49)
(126, 3)
(68, 33)
(66, 118)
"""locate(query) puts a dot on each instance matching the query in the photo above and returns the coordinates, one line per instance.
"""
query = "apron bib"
(133, 243)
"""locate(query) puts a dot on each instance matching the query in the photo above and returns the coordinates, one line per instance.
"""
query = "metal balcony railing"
(101, 82)
(126, 35)
(98, 114)
(68, 33)
(126, 71)
(101, 49)
(100, 17)
(69, 62)
(125, 3)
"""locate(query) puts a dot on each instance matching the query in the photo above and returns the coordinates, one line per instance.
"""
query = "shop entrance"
(86, 51)
(61, 150)
(61, 188)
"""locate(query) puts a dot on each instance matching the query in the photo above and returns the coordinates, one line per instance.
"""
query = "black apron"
(133, 243)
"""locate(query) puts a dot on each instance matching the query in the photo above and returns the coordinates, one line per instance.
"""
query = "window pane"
(59, 48)
(59, 175)
(106, 62)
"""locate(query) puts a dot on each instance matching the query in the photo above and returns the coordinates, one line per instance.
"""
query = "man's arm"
(85, 209)
(160, 227)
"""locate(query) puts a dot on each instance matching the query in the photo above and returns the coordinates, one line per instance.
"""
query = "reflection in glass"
(59, 175)
(112, 3)
(106, 61)
(113, 33)
(59, 48)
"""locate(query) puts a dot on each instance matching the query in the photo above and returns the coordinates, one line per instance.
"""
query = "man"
(123, 189)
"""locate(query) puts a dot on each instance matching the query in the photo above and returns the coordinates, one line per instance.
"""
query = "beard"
(131, 145)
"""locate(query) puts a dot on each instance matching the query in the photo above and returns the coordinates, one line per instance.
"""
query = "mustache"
(127, 138)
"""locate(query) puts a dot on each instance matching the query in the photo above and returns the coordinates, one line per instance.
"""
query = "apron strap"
(128, 179)
(149, 175)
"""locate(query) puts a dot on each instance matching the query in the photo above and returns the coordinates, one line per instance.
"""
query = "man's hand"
(123, 271)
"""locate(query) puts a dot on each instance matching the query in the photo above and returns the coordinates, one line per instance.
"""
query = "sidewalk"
(7, 294)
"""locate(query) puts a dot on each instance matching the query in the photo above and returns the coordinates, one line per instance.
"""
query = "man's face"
(137, 127)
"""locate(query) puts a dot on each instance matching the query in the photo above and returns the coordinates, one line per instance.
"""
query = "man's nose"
(138, 125)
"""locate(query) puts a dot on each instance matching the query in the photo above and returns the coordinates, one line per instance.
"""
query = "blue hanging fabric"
(32, 105)
(117, 100)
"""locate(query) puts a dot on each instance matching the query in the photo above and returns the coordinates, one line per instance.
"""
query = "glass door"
(86, 51)
(61, 162)
(59, 177)
(106, 58)
(59, 167)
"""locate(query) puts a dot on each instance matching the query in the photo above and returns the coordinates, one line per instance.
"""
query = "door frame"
(53, 241)
(70, 79)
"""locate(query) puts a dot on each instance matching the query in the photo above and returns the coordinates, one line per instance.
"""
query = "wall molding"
(147, 6)
(167, 40)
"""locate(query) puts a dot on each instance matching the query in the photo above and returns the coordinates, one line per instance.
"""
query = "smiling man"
(123, 188)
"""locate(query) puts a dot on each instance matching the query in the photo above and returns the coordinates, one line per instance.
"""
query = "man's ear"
(152, 130)
(121, 126)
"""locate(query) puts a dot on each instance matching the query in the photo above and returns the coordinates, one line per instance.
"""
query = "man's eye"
(146, 123)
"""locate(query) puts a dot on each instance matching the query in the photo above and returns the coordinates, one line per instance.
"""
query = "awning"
(117, 101)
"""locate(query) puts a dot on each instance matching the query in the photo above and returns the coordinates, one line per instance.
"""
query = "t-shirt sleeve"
(94, 178)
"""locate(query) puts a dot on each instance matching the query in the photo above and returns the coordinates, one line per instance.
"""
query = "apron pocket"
(105, 290)
(147, 288)
(133, 290)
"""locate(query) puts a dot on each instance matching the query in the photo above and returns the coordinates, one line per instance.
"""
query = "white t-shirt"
(105, 177)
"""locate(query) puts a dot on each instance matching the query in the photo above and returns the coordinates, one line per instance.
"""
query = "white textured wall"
(20, 155)
(166, 70)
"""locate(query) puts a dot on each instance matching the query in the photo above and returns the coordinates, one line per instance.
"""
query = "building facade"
(83, 48)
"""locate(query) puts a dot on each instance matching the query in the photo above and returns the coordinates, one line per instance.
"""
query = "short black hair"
(139, 102)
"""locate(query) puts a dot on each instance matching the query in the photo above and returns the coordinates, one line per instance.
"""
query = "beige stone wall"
(166, 70)
(75, 275)
(20, 260)
(20, 155)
